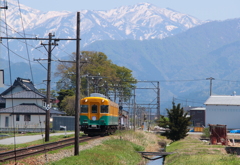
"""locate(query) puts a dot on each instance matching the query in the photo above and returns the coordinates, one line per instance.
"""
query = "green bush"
(206, 133)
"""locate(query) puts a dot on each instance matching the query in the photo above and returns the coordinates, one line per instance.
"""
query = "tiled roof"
(31, 108)
(24, 108)
(26, 84)
(24, 95)
(223, 100)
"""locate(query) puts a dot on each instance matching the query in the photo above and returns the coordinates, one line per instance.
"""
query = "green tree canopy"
(100, 66)
(61, 95)
(177, 123)
(68, 104)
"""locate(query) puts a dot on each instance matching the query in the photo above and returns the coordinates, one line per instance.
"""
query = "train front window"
(84, 108)
(94, 108)
(104, 108)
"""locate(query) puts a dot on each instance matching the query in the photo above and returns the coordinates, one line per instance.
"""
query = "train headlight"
(94, 118)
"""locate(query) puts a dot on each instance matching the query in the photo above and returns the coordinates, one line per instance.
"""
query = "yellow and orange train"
(99, 115)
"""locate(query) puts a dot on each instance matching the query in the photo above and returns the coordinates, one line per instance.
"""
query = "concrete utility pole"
(210, 78)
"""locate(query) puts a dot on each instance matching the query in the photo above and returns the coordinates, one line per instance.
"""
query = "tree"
(61, 95)
(97, 63)
(177, 123)
(53, 93)
(68, 104)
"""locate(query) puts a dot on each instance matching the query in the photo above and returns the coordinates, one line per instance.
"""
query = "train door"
(95, 109)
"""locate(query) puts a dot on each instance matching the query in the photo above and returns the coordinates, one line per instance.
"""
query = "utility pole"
(1, 70)
(47, 126)
(134, 111)
(210, 78)
(78, 82)
(158, 101)
(49, 50)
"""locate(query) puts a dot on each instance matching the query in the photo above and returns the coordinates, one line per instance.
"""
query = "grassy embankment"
(192, 151)
(120, 149)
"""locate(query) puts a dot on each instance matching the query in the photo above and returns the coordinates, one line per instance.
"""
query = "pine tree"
(177, 123)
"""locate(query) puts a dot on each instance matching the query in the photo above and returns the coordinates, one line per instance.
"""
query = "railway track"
(30, 151)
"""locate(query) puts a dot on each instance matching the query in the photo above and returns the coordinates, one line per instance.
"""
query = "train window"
(94, 108)
(84, 108)
(104, 108)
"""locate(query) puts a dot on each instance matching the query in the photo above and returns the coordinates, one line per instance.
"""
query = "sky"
(201, 9)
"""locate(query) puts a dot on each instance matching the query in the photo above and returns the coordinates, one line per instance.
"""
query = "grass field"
(192, 151)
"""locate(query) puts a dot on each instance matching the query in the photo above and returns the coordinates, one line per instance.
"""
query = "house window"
(27, 117)
(17, 117)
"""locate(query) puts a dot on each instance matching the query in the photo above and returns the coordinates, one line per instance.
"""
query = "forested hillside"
(183, 62)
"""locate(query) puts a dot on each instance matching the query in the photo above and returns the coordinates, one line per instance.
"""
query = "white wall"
(34, 123)
(223, 115)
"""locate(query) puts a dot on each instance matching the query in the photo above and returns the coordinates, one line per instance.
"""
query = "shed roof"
(223, 100)
(198, 109)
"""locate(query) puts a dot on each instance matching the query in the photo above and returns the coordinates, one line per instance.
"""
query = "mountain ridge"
(142, 21)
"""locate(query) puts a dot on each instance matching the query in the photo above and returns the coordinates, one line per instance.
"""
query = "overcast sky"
(202, 9)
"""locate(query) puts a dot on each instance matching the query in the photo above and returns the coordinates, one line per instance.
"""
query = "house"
(197, 116)
(25, 107)
(223, 110)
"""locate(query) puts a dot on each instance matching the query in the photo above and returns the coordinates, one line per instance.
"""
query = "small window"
(84, 108)
(104, 108)
(27, 117)
(17, 117)
(94, 108)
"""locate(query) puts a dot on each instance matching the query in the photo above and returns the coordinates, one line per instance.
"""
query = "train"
(99, 115)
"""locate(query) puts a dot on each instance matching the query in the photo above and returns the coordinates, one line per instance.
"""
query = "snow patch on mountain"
(142, 21)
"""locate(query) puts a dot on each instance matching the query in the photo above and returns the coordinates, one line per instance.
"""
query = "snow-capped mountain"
(139, 22)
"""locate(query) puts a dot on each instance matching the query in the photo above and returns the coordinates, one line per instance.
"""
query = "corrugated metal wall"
(68, 121)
